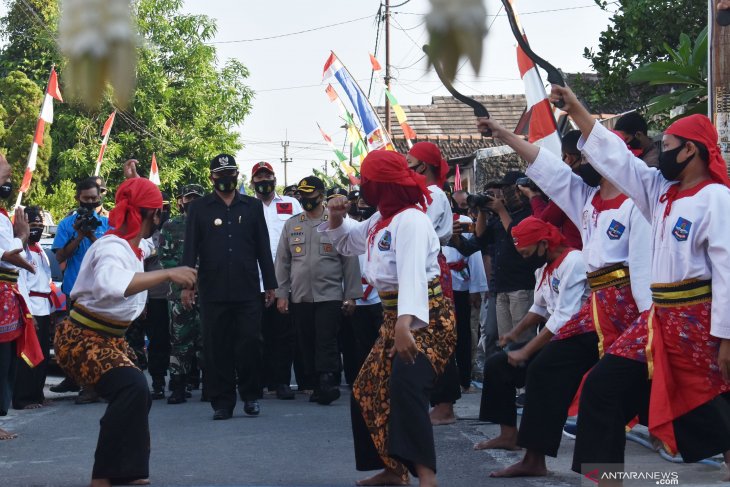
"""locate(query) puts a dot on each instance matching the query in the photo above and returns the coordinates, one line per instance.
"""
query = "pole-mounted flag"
(105, 134)
(154, 172)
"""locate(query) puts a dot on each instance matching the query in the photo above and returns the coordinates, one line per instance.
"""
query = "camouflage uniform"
(185, 325)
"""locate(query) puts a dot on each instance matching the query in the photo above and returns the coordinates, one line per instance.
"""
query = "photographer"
(74, 236)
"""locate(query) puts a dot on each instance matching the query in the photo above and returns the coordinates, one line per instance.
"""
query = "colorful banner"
(408, 132)
(341, 157)
(354, 136)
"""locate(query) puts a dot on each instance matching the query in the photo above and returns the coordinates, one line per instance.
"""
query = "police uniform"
(185, 328)
(309, 267)
(229, 242)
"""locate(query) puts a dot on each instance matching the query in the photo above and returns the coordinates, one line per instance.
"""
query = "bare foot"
(140, 482)
(498, 443)
(442, 414)
(386, 477)
(33, 406)
(521, 469)
(6, 435)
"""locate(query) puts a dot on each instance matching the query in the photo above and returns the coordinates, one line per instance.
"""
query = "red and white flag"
(375, 63)
(154, 172)
(457, 179)
(543, 129)
(105, 134)
(45, 116)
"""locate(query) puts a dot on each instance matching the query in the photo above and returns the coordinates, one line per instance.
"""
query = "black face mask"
(90, 206)
(309, 204)
(265, 188)
(164, 216)
(354, 211)
(35, 235)
(226, 184)
(536, 260)
(185, 207)
(634, 144)
(367, 212)
(589, 175)
(668, 164)
(5, 190)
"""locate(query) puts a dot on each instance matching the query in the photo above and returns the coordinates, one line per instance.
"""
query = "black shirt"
(510, 271)
(230, 244)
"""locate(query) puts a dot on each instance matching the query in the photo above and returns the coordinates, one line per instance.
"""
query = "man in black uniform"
(226, 234)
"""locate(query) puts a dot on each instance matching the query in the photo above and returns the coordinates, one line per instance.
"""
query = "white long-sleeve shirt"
(473, 278)
(439, 211)
(692, 241)
(106, 271)
(402, 256)
(562, 292)
(618, 234)
(39, 282)
(276, 213)
(8, 241)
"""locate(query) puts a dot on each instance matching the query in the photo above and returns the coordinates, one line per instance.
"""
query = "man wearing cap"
(185, 330)
(278, 332)
(226, 236)
(323, 285)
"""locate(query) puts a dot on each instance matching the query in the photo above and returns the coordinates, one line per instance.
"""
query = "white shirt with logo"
(276, 213)
(39, 282)
(439, 211)
(471, 278)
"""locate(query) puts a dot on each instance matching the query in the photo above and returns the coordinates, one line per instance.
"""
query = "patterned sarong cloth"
(372, 386)
(16, 322)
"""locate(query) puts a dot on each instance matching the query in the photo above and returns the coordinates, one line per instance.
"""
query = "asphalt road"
(292, 443)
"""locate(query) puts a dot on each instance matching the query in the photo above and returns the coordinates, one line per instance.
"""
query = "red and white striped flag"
(105, 133)
(154, 172)
(543, 130)
(45, 116)
(457, 179)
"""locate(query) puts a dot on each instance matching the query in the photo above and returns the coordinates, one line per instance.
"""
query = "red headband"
(429, 153)
(532, 230)
(132, 195)
(698, 128)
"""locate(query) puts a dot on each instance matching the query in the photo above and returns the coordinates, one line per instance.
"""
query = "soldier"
(323, 286)
(185, 328)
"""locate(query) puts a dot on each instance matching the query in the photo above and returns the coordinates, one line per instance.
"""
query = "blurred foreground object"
(99, 40)
(456, 28)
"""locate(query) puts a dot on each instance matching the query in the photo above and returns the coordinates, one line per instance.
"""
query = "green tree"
(636, 36)
(185, 108)
(685, 72)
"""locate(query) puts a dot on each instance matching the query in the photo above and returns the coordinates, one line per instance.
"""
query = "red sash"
(27, 345)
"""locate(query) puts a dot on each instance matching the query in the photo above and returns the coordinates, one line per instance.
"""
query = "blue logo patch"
(615, 230)
(681, 229)
(385, 241)
(555, 284)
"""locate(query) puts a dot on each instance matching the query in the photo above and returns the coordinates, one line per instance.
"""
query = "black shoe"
(251, 408)
(329, 396)
(188, 394)
(177, 386)
(222, 414)
(87, 396)
(314, 397)
(158, 388)
(284, 392)
(66, 385)
(520, 400)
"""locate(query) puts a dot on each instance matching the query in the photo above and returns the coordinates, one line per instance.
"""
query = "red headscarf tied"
(429, 153)
(698, 128)
(531, 230)
(132, 195)
(388, 183)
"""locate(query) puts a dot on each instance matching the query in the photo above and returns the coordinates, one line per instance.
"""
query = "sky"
(286, 71)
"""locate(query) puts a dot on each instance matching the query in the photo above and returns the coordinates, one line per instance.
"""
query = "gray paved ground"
(293, 443)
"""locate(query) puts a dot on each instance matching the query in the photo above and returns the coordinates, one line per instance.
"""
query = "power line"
(278, 36)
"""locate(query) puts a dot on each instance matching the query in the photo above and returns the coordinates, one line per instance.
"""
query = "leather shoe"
(251, 408)
(222, 414)
(283, 391)
(66, 385)
(87, 396)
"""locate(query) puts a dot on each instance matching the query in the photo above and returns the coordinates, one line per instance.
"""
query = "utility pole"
(719, 82)
(326, 163)
(386, 17)
(286, 160)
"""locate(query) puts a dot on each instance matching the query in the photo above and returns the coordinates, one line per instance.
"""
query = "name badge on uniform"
(284, 208)
(385, 241)
(615, 230)
(555, 284)
(681, 229)
(327, 247)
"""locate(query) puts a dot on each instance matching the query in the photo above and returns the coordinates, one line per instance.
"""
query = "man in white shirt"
(279, 338)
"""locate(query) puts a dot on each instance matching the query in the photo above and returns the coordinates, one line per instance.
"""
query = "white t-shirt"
(692, 241)
(276, 213)
(367, 288)
(618, 235)
(106, 271)
(7, 241)
(562, 292)
(439, 211)
(473, 277)
(39, 282)
(402, 256)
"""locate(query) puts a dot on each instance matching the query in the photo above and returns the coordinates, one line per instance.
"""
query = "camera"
(479, 200)
(87, 220)
(528, 183)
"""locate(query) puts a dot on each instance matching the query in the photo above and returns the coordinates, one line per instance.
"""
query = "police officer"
(323, 285)
(226, 235)
(185, 330)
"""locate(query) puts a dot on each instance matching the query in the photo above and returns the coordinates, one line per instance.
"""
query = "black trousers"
(348, 350)
(410, 434)
(156, 325)
(232, 346)
(29, 382)
(553, 379)
(366, 328)
(279, 343)
(123, 449)
(462, 308)
(498, 390)
(317, 326)
(8, 368)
